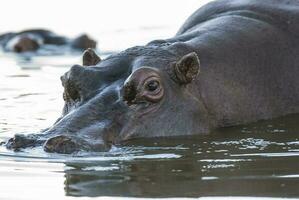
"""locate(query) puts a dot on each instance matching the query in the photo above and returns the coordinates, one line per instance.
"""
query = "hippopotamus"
(232, 62)
(32, 40)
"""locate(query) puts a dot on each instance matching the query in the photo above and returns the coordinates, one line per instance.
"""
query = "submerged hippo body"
(32, 40)
(232, 62)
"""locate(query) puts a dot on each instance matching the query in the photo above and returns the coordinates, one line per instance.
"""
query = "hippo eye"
(152, 85)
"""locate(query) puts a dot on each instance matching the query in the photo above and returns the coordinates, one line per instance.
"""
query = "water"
(256, 160)
(260, 159)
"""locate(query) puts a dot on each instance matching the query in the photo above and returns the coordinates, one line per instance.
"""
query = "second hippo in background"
(35, 39)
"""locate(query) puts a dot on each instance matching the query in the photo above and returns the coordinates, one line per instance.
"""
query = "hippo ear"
(187, 68)
(90, 57)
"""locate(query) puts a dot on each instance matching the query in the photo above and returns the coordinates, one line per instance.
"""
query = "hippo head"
(24, 43)
(141, 92)
(83, 42)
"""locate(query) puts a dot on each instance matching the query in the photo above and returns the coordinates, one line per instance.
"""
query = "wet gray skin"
(32, 40)
(232, 62)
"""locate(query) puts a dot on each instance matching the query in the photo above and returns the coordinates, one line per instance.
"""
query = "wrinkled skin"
(232, 62)
(32, 40)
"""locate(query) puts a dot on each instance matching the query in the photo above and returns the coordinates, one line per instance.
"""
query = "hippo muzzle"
(113, 100)
(92, 115)
(91, 126)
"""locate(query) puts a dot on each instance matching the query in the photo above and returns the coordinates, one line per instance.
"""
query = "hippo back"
(282, 13)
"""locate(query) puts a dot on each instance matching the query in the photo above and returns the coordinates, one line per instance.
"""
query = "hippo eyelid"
(148, 79)
(152, 85)
(157, 90)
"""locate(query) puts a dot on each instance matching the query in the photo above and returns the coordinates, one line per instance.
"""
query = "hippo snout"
(61, 144)
(67, 145)
(23, 141)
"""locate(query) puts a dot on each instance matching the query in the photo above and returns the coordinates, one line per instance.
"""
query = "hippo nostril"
(22, 141)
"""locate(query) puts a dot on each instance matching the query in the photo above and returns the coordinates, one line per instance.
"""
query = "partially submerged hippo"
(32, 40)
(232, 62)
